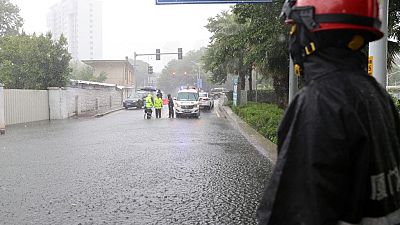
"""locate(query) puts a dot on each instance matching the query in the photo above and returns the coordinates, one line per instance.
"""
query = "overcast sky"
(137, 25)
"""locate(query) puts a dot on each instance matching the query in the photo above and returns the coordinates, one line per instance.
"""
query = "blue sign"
(168, 2)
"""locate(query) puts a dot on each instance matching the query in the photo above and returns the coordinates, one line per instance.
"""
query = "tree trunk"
(242, 81)
(250, 83)
(281, 86)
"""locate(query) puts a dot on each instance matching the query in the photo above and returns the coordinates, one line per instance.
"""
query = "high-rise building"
(80, 21)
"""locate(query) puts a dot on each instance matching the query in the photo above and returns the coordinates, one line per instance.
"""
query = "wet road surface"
(122, 169)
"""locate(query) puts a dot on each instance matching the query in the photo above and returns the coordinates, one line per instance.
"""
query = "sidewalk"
(262, 144)
(107, 112)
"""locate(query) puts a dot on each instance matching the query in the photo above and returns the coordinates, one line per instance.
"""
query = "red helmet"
(339, 15)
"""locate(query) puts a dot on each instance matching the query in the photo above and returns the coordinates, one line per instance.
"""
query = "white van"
(187, 103)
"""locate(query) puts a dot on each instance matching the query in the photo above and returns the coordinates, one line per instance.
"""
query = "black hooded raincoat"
(339, 149)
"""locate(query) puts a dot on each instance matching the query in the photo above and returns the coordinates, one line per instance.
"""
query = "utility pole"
(378, 49)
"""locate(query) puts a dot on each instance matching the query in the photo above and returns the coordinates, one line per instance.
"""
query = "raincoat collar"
(329, 60)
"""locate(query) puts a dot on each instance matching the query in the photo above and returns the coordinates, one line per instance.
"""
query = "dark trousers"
(171, 112)
(158, 113)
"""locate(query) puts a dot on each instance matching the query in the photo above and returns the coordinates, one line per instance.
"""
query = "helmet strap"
(302, 42)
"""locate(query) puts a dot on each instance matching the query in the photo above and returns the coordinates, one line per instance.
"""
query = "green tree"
(267, 39)
(253, 35)
(10, 20)
(102, 77)
(228, 51)
(81, 71)
(173, 75)
(33, 62)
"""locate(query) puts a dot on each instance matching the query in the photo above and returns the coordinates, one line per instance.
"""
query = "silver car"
(205, 101)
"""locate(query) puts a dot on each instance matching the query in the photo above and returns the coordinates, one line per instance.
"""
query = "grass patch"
(265, 118)
(396, 102)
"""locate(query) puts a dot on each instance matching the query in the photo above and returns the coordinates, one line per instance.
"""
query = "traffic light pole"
(167, 53)
(157, 54)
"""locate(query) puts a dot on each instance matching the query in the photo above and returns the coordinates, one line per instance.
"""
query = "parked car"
(135, 101)
(187, 103)
(218, 92)
(205, 101)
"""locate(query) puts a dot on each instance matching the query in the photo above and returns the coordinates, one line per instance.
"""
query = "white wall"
(83, 98)
(2, 118)
(92, 99)
(22, 106)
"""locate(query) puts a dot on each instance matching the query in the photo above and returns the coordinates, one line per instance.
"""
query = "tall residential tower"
(80, 21)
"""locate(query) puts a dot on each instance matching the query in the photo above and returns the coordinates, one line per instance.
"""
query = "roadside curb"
(108, 112)
(262, 144)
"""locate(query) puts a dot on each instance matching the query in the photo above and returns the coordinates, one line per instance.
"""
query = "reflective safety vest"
(158, 102)
(149, 103)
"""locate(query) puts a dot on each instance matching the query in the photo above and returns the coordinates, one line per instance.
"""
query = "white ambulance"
(187, 103)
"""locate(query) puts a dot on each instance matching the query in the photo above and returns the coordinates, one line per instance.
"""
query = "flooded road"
(122, 169)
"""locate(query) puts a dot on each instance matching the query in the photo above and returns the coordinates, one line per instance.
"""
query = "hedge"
(265, 118)
(396, 102)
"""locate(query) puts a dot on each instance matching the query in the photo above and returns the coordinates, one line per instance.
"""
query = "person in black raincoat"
(339, 142)
(170, 107)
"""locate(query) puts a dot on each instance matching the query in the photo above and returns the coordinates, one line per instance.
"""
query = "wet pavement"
(122, 169)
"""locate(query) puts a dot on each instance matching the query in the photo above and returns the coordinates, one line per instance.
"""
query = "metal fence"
(22, 106)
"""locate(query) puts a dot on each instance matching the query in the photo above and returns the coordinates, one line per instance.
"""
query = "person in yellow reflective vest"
(158, 104)
(148, 104)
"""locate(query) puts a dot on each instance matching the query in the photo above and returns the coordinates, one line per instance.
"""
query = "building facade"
(118, 72)
(80, 21)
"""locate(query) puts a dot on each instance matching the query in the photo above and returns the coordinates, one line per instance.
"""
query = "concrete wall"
(57, 103)
(23, 106)
(81, 99)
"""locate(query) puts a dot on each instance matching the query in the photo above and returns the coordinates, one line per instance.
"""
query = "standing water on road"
(121, 169)
(77, 149)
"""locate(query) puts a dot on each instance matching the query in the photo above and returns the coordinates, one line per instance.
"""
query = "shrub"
(265, 118)
(396, 102)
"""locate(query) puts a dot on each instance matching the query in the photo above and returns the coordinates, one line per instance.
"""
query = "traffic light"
(173, 75)
(158, 54)
(180, 53)
(150, 70)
